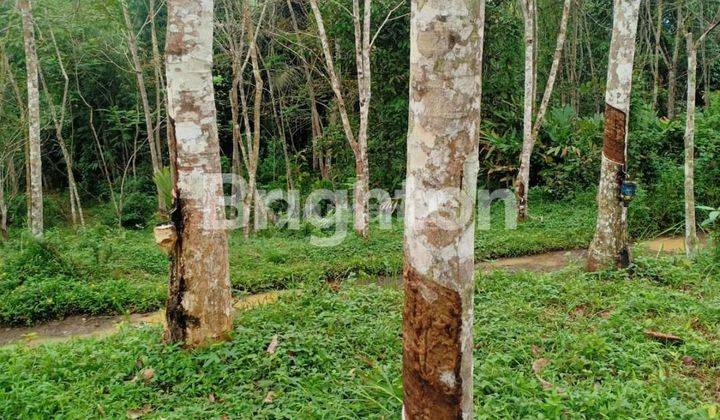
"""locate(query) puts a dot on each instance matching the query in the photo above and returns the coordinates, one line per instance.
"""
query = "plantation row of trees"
(292, 81)
(306, 101)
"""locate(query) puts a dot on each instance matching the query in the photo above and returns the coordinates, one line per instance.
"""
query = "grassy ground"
(109, 271)
(568, 344)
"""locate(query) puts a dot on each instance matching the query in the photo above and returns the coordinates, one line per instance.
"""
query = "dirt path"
(103, 326)
(82, 327)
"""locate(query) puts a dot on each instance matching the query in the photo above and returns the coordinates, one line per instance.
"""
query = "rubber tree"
(442, 166)
(692, 45)
(610, 246)
(34, 161)
(530, 129)
(358, 143)
(199, 306)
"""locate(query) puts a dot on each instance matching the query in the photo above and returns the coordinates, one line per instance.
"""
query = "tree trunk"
(3, 205)
(524, 173)
(523, 181)
(76, 210)
(672, 72)
(159, 81)
(445, 86)
(610, 247)
(253, 148)
(199, 304)
(34, 156)
(656, 54)
(149, 125)
(691, 238)
(359, 145)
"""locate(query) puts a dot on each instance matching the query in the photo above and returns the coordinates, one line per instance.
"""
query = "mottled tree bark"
(522, 184)
(445, 88)
(523, 179)
(155, 158)
(199, 304)
(610, 247)
(34, 156)
(691, 238)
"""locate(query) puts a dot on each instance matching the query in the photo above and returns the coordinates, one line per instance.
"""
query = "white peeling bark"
(610, 246)
(442, 167)
(691, 238)
(199, 303)
(523, 180)
(35, 213)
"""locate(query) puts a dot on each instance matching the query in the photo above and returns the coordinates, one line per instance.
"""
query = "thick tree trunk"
(445, 86)
(691, 238)
(523, 181)
(34, 156)
(610, 247)
(522, 184)
(672, 72)
(199, 304)
(142, 89)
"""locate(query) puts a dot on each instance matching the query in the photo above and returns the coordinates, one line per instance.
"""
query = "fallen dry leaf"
(536, 351)
(669, 338)
(211, 397)
(147, 374)
(269, 398)
(273, 345)
(139, 412)
(688, 360)
(539, 365)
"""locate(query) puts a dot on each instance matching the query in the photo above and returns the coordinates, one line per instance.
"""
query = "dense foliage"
(105, 123)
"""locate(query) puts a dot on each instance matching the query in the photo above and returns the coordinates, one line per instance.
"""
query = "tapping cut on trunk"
(431, 349)
(614, 142)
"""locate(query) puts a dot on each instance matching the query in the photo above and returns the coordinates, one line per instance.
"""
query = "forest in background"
(89, 77)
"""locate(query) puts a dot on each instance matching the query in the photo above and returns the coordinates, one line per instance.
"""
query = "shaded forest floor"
(560, 344)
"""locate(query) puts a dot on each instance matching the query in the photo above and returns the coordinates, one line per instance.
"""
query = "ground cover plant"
(563, 344)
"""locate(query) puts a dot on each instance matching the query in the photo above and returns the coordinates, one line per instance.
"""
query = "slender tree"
(692, 45)
(200, 303)
(445, 87)
(155, 150)
(358, 144)
(34, 155)
(530, 130)
(610, 247)
(673, 64)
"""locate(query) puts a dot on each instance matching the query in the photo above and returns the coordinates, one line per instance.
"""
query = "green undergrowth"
(339, 354)
(102, 270)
